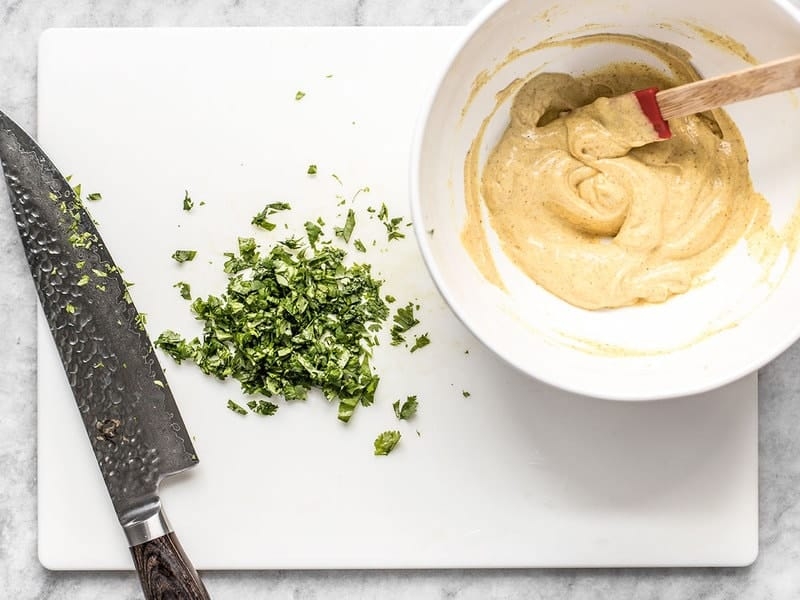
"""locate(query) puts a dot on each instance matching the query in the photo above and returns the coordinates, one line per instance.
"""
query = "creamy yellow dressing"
(589, 208)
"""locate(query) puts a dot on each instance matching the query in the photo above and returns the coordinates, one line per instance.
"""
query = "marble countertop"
(774, 575)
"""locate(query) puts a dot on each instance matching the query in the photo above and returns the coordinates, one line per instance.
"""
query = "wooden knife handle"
(165, 571)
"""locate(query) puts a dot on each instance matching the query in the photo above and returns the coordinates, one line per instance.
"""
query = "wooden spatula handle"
(165, 572)
(697, 97)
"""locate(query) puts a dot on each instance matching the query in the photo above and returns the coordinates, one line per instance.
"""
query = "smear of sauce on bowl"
(585, 206)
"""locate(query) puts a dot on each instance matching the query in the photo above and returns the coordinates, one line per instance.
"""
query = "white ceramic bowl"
(713, 334)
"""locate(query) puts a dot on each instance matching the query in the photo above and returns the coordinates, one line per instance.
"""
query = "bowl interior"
(719, 331)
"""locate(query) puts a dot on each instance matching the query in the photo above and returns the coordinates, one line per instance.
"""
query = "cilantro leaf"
(260, 220)
(466, 394)
(349, 224)
(236, 408)
(188, 203)
(94, 197)
(184, 289)
(407, 409)
(385, 442)
(262, 407)
(403, 321)
(312, 169)
(420, 342)
(299, 95)
(359, 245)
(183, 256)
(173, 344)
(313, 231)
(392, 224)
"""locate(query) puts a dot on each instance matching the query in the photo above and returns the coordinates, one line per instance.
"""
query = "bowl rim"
(573, 385)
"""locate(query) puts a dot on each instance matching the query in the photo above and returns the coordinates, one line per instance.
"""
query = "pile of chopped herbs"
(290, 320)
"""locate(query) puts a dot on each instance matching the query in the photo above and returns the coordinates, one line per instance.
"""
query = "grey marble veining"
(775, 575)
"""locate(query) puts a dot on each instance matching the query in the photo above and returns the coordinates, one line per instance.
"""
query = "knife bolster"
(147, 527)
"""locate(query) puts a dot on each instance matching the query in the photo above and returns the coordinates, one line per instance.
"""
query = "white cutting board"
(516, 475)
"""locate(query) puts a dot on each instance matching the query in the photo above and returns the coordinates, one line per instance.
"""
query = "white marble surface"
(775, 575)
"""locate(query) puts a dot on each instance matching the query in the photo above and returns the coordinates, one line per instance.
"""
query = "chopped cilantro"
(188, 203)
(336, 177)
(407, 409)
(299, 95)
(386, 442)
(274, 207)
(236, 408)
(70, 308)
(420, 342)
(173, 344)
(359, 245)
(403, 321)
(80, 264)
(313, 231)
(83, 280)
(312, 169)
(299, 319)
(184, 289)
(158, 382)
(141, 320)
(262, 407)
(349, 224)
(184, 255)
(260, 219)
(392, 224)
(94, 197)
(390, 299)
(466, 394)
(99, 273)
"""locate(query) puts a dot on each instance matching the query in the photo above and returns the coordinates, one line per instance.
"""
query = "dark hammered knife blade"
(130, 415)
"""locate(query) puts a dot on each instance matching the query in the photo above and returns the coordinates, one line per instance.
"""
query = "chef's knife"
(134, 425)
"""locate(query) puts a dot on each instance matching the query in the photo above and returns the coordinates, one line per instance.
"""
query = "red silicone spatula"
(699, 96)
